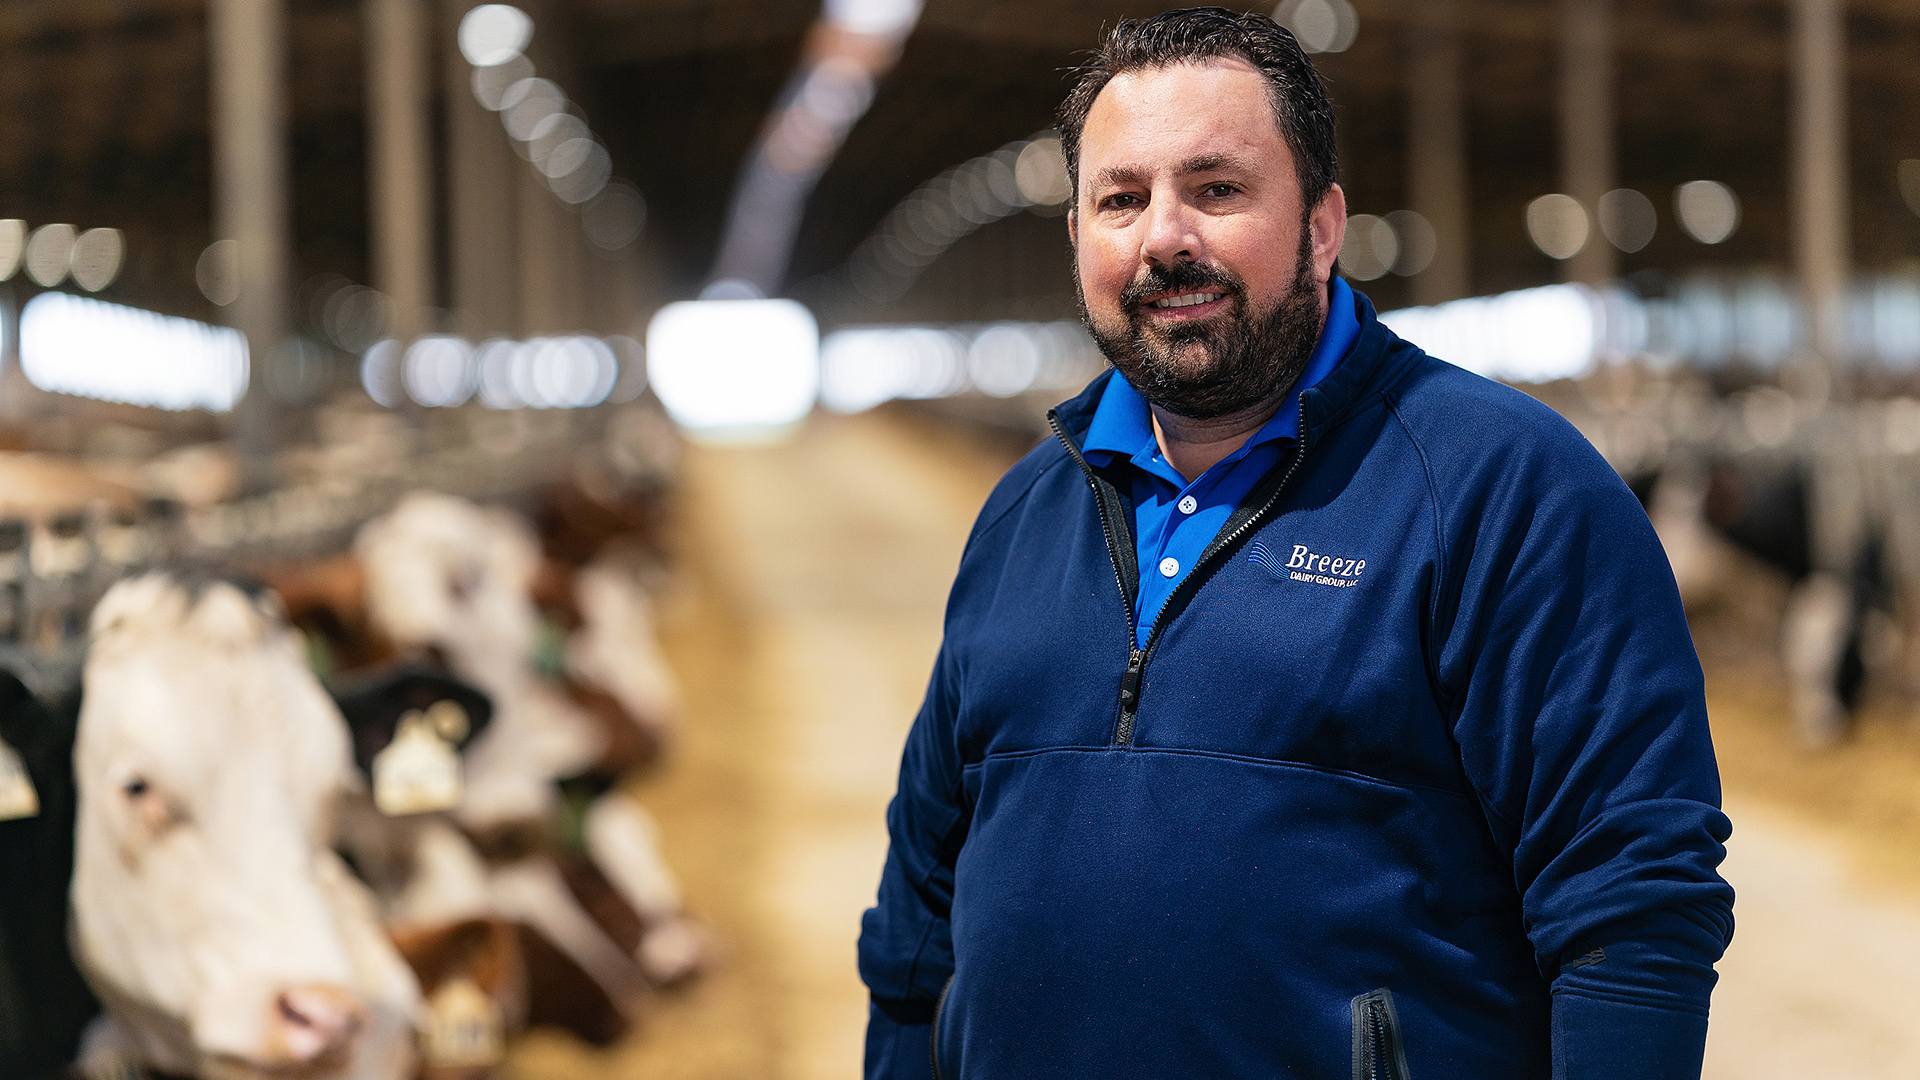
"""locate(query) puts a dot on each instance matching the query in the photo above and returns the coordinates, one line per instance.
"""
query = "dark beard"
(1250, 356)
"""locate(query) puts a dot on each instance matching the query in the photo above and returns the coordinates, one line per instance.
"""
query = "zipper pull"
(1129, 696)
(1130, 683)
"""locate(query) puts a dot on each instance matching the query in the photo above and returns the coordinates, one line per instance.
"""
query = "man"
(1309, 707)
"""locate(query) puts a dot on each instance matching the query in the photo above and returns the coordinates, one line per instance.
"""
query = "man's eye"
(1120, 202)
(1221, 191)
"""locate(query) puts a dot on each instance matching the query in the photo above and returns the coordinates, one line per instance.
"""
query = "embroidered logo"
(1304, 565)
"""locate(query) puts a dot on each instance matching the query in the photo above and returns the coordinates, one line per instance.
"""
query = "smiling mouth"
(1185, 300)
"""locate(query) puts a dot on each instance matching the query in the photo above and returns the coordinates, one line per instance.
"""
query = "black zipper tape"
(1378, 1052)
(1114, 523)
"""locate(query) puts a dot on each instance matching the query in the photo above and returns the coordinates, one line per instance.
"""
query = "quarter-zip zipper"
(1137, 656)
(1108, 527)
(1378, 1051)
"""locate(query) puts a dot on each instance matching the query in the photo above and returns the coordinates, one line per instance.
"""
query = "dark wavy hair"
(1192, 35)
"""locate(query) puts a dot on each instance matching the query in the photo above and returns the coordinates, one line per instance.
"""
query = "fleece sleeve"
(906, 943)
(1581, 719)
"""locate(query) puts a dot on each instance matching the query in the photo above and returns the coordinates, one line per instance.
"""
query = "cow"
(542, 837)
(211, 916)
(444, 576)
(1812, 520)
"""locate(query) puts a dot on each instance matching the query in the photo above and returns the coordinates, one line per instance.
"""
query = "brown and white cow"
(446, 575)
(211, 915)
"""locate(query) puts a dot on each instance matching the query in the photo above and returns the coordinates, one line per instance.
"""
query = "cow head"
(444, 572)
(209, 912)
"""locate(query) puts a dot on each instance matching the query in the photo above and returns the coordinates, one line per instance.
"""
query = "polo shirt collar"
(1122, 426)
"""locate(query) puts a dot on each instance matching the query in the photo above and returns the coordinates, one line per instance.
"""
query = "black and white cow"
(1819, 523)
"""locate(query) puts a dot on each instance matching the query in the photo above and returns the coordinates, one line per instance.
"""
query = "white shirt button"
(1189, 504)
(1169, 567)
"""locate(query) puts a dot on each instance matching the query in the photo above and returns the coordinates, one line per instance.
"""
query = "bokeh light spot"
(50, 254)
(97, 254)
(1557, 224)
(437, 371)
(1709, 211)
(13, 246)
(494, 34)
(614, 218)
(1041, 172)
(217, 272)
(1627, 219)
(1320, 26)
(1370, 248)
(1418, 243)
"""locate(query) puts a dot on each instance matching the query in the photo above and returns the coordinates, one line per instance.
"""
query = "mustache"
(1180, 277)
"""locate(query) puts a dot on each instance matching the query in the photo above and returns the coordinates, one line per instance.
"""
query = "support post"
(480, 171)
(15, 390)
(542, 249)
(1587, 168)
(402, 179)
(1437, 146)
(1821, 223)
(247, 42)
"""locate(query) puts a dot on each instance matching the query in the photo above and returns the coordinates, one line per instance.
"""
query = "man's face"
(1201, 274)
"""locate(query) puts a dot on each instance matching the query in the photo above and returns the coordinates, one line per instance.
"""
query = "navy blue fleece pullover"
(1411, 779)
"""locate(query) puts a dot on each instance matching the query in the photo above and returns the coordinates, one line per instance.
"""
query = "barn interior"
(764, 297)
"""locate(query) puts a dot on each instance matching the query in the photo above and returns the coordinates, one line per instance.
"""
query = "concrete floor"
(1823, 976)
(805, 618)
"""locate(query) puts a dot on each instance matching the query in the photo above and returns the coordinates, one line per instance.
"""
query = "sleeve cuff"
(1601, 1039)
(899, 1040)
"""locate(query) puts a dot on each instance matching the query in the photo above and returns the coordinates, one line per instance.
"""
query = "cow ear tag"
(417, 772)
(17, 797)
(449, 720)
(464, 1027)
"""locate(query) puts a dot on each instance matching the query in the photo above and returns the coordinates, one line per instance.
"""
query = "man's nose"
(1169, 236)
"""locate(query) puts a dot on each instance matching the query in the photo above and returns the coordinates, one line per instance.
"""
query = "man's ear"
(1073, 227)
(1329, 225)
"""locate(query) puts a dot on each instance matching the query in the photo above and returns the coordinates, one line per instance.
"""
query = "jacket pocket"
(1377, 1051)
(933, 1040)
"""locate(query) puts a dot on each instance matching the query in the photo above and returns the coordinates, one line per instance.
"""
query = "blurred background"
(797, 278)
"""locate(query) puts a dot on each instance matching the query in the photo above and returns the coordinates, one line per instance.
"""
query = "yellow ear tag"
(449, 720)
(17, 797)
(464, 1028)
(417, 772)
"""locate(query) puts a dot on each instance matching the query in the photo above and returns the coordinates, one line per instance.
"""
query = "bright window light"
(558, 373)
(441, 371)
(1530, 336)
(734, 368)
(74, 345)
(1004, 360)
(863, 366)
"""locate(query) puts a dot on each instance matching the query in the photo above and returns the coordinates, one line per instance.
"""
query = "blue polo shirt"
(1174, 519)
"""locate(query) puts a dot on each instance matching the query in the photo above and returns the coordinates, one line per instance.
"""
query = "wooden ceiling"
(105, 107)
